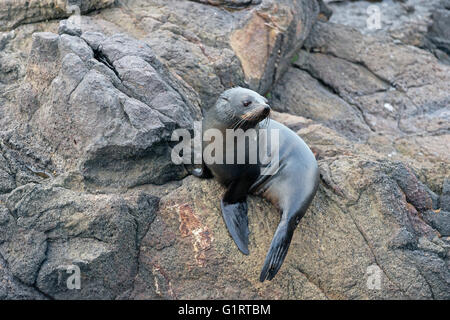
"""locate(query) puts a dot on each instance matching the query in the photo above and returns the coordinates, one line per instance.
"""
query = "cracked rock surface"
(414, 22)
(86, 115)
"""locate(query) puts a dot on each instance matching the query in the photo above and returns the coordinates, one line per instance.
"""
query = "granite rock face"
(371, 219)
(16, 13)
(214, 45)
(88, 106)
(103, 105)
(49, 227)
(413, 22)
(393, 97)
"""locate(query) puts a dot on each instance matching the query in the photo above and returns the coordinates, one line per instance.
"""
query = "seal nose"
(266, 109)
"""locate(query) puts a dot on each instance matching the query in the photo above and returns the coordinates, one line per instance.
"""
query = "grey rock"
(7, 181)
(15, 13)
(191, 211)
(445, 197)
(55, 228)
(438, 33)
(17, 168)
(440, 220)
(435, 271)
(87, 182)
(403, 239)
(231, 3)
(25, 251)
(414, 22)
(10, 69)
(70, 28)
(91, 95)
(401, 92)
(4, 215)
(245, 46)
(93, 39)
(427, 245)
(302, 94)
(12, 289)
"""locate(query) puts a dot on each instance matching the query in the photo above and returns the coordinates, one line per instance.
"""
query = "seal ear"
(224, 97)
(221, 107)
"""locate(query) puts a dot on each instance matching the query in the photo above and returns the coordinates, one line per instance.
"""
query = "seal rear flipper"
(236, 220)
(277, 252)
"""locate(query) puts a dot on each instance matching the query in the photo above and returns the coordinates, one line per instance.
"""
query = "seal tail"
(236, 220)
(277, 252)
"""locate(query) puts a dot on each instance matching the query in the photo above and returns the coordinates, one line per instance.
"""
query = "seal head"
(241, 108)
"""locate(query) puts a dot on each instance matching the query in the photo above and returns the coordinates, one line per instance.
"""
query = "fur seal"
(291, 188)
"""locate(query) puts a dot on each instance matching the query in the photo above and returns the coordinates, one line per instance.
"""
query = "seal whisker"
(266, 122)
(238, 124)
(235, 123)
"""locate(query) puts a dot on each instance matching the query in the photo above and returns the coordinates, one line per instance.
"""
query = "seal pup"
(290, 188)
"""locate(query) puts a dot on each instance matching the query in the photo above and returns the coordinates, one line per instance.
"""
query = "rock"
(15, 13)
(93, 110)
(402, 20)
(70, 28)
(7, 182)
(294, 123)
(25, 251)
(124, 65)
(54, 228)
(427, 245)
(247, 45)
(88, 106)
(15, 47)
(400, 91)
(12, 289)
(438, 34)
(403, 239)
(417, 23)
(440, 220)
(231, 3)
(17, 168)
(195, 244)
(4, 215)
(299, 93)
(445, 197)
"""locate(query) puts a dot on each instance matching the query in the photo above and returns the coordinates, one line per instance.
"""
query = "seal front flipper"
(277, 252)
(234, 207)
(236, 220)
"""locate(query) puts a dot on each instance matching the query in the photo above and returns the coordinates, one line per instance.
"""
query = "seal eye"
(247, 103)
